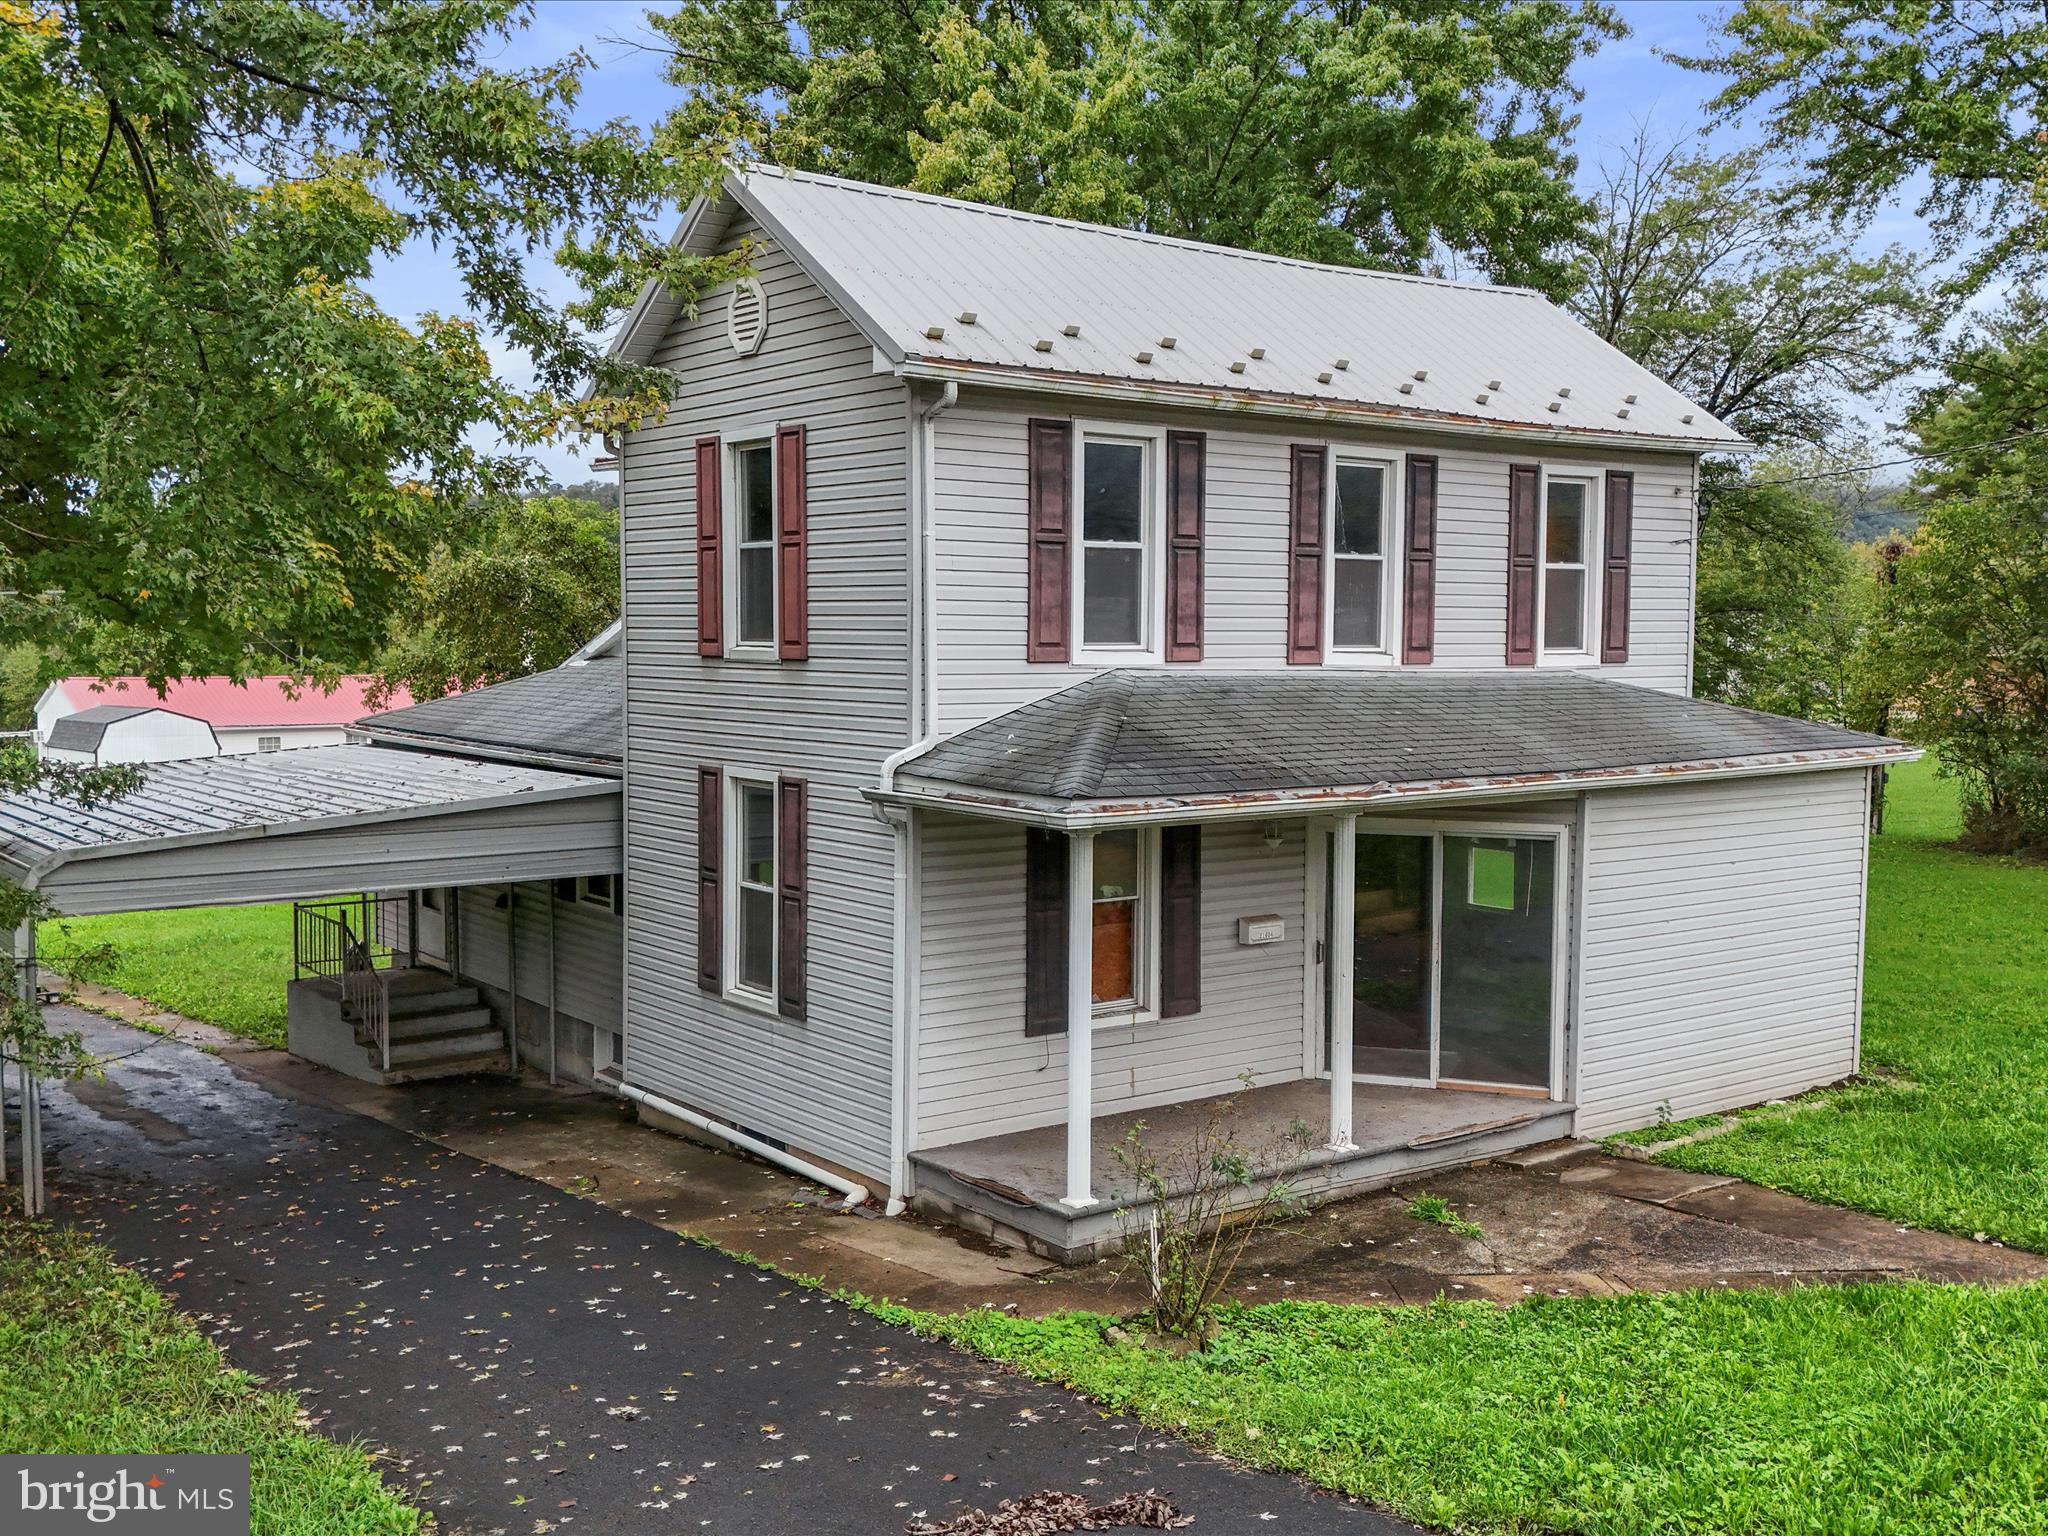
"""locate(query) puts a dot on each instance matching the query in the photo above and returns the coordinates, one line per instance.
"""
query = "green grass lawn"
(1836, 1410)
(225, 965)
(1956, 1004)
(1848, 1411)
(96, 1361)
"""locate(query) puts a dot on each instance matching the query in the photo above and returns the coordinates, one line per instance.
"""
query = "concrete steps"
(439, 1028)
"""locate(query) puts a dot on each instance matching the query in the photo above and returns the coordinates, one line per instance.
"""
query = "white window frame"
(1393, 534)
(607, 902)
(731, 864)
(1564, 952)
(1144, 1006)
(1152, 597)
(731, 445)
(1587, 654)
(269, 743)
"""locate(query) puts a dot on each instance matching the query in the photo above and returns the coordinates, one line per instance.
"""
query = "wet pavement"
(533, 1361)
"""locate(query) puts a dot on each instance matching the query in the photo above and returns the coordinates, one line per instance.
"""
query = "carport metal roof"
(318, 821)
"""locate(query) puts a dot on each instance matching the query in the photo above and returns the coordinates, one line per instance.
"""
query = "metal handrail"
(338, 940)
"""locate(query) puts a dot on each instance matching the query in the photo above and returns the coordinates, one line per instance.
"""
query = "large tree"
(216, 453)
(1408, 135)
(1695, 269)
(1963, 642)
(1943, 101)
(541, 580)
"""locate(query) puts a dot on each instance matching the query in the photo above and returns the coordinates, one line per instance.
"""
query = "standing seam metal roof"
(904, 264)
(274, 791)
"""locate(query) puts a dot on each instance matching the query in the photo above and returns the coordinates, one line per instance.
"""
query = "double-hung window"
(1361, 538)
(1117, 556)
(753, 547)
(752, 912)
(1566, 590)
(1122, 914)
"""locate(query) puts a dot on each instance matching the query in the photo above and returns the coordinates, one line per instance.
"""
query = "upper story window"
(1117, 555)
(269, 743)
(753, 544)
(1566, 591)
(1360, 541)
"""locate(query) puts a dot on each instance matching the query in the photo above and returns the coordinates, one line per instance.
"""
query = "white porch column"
(1080, 1019)
(1343, 934)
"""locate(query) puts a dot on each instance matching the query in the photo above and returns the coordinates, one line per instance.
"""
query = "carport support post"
(512, 967)
(1080, 1019)
(1343, 938)
(31, 1090)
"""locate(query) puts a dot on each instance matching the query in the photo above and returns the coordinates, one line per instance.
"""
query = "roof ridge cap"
(790, 173)
(1101, 729)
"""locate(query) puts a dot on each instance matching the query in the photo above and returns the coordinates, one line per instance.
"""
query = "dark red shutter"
(792, 551)
(1418, 578)
(710, 910)
(1045, 933)
(1186, 474)
(1051, 498)
(1305, 556)
(1621, 506)
(1525, 484)
(792, 895)
(1180, 921)
(710, 576)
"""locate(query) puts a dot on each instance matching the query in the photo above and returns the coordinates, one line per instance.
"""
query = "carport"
(295, 826)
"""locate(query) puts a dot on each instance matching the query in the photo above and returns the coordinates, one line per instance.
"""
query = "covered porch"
(1013, 1187)
(1357, 895)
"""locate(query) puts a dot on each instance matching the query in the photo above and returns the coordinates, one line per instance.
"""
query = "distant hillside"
(1868, 512)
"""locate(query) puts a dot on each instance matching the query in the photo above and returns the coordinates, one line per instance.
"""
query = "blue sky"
(1627, 83)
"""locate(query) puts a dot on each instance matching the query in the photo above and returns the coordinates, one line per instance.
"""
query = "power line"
(1915, 458)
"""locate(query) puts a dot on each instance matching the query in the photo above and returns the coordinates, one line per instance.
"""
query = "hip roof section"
(224, 703)
(952, 288)
(1143, 739)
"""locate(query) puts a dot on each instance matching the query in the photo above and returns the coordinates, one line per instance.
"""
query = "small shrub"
(1436, 1209)
(1188, 1242)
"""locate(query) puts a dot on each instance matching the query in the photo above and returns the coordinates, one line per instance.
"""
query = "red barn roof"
(222, 702)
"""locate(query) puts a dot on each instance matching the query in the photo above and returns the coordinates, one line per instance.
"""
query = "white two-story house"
(1071, 674)
(1069, 677)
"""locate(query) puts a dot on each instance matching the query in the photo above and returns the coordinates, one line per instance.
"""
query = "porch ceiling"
(1135, 743)
(317, 821)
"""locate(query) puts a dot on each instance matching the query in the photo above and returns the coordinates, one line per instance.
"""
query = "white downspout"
(856, 1194)
(924, 717)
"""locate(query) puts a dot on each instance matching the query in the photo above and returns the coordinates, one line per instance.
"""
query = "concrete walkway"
(1562, 1220)
(534, 1361)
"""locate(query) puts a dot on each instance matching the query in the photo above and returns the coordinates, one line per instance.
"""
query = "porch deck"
(1009, 1187)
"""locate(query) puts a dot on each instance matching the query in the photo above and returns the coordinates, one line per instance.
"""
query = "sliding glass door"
(1454, 959)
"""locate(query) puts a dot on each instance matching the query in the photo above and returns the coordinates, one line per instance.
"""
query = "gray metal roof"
(259, 794)
(1127, 738)
(1209, 319)
(571, 715)
(85, 730)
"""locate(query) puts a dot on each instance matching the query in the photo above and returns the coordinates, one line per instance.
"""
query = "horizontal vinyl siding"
(822, 1086)
(586, 949)
(976, 1073)
(1723, 933)
(982, 527)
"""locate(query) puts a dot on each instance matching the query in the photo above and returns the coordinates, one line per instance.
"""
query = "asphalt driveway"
(536, 1362)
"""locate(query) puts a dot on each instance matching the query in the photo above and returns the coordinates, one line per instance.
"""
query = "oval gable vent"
(746, 317)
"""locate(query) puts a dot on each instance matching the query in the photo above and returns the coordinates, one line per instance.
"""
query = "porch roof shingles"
(569, 714)
(1131, 735)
